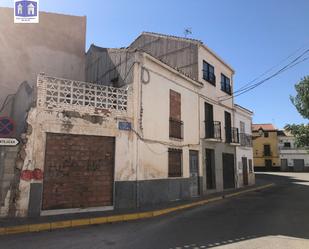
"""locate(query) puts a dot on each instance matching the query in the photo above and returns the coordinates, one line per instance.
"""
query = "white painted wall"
(153, 151)
(243, 151)
(293, 152)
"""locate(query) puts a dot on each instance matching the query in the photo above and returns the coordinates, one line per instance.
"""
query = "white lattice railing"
(62, 93)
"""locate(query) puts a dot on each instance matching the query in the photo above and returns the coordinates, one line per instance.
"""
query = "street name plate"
(8, 141)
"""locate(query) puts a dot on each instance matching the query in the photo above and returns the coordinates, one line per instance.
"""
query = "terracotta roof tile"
(265, 127)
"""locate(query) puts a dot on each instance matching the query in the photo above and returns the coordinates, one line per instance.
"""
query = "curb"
(49, 226)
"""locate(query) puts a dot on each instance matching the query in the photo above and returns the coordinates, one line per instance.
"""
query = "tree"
(301, 102)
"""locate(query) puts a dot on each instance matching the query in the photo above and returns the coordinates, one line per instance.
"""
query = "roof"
(264, 127)
(243, 109)
(96, 48)
(194, 41)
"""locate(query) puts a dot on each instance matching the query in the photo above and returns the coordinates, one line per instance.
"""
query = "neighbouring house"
(292, 158)
(151, 123)
(244, 152)
(27, 50)
(265, 147)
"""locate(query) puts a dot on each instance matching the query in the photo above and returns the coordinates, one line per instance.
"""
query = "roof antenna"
(188, 31)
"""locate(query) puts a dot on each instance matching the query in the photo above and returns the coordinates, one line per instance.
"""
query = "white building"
(292, 158)
(244, 152)
(156, 124)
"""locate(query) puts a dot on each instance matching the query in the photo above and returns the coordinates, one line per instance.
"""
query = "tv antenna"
(188, 31)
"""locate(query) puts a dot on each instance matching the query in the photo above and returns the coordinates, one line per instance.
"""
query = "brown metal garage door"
(78, 171)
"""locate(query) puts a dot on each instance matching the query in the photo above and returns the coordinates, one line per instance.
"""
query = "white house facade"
(292, 158)
(244, 152)
(152, 123)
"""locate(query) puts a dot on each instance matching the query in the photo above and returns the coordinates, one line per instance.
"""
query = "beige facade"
(56, 46)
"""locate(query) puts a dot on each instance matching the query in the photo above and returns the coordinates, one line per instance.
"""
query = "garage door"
(78, 171)
(299, 165)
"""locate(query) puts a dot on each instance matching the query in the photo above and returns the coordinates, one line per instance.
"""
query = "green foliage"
(301, 133)
(301, 100)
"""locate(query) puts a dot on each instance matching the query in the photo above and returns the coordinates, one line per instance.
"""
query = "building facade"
(292, 158)
(56, 46)
(157, 123)
(265, 147)
(244, 152)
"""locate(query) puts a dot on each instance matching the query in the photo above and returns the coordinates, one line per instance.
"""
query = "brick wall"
(79, 171)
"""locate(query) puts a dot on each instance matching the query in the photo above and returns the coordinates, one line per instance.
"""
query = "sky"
(251, 36)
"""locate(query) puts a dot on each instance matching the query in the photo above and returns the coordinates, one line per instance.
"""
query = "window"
(267, 151)
(226, 84)
(174, 163)
(209, 73)
(266, 134)
(175, 123)
(287, 145)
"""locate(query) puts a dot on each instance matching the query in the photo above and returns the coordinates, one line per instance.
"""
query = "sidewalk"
(47, 223)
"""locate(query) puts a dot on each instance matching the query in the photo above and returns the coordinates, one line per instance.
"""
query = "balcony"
(245, 140)
(64, 94)
(232, 135)
(176, 128)
(267, 153)
(213, 130)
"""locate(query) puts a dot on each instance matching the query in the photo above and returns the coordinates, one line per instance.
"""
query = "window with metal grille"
(209, 73)
(226, 84)
(174, 163)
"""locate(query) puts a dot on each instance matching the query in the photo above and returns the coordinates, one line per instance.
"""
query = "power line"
(270, 69)
(286, 67)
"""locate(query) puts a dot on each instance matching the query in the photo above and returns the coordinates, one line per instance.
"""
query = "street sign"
(5, 141)
(126, 126)
(7, 126)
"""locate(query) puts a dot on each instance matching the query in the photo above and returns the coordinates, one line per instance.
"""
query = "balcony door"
(228, 127)
(209, 120)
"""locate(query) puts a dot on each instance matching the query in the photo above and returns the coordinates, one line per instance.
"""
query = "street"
(276, 217)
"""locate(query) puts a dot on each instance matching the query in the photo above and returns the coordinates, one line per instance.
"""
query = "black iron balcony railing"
(176, 128)
(267, 153)
(245, 139)
(213, 129)
(232, 135)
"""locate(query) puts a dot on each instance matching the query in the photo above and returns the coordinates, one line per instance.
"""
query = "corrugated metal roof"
(195, 41)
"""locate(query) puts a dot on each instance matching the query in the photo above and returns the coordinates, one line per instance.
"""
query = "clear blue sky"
(252, 36)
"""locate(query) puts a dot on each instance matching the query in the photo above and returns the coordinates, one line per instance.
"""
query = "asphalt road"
(276, 217)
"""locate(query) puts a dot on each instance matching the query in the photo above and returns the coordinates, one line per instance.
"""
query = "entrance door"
(299, 165)
(268, 164)
(194, 175)
(244, 170)
(228, 171)
(210, 169)
(284, 164)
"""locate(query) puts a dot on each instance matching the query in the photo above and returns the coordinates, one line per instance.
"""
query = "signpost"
(7, 126)
(5, 141)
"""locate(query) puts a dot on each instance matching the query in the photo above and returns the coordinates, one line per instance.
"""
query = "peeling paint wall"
(155, 104)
